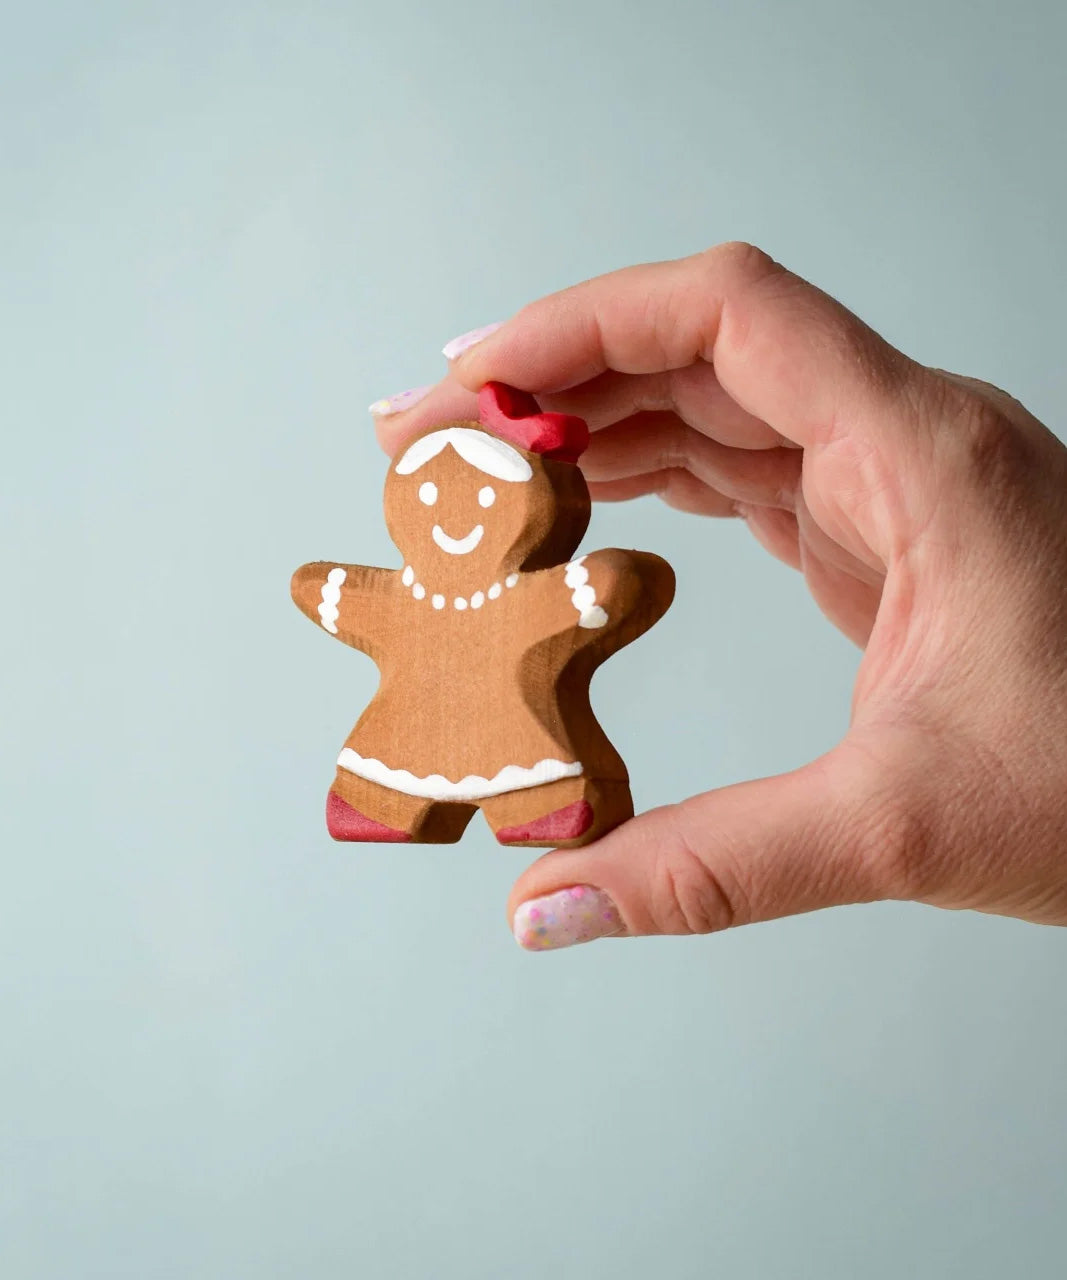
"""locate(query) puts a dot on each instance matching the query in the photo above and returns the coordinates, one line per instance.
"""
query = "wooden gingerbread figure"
(486, 640)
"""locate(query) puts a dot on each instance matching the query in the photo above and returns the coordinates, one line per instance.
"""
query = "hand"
(928, 514)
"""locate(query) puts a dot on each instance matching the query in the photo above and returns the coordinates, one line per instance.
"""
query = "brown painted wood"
(486, 644)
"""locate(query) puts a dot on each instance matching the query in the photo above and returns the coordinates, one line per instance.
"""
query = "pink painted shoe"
(568, 823)
(345, 823)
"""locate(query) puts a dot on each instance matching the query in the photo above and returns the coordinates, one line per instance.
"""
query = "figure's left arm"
(609, 597)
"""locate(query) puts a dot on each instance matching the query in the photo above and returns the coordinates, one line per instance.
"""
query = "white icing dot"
(331, 597)
(438, 602)
(511, 579)
(583, 596)
(495, 590)
(418, 591)
(460, 603)
(487, 496)
(428, 492)
(408, 576)
(477, 600)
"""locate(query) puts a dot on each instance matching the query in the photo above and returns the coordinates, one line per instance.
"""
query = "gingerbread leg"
(358, 810)
(562, 815)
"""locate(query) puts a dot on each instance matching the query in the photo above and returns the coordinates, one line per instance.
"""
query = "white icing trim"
(458, 546)
(408, 576)
(459, 603)
(583, 595)
(511, 580)
(492, 456)
(331, 598)
(438, 601)
(512, 777)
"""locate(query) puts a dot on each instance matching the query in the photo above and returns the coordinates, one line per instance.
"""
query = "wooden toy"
(486, 640)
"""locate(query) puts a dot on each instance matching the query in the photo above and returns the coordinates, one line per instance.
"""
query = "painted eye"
(487, 496)
(428, 492)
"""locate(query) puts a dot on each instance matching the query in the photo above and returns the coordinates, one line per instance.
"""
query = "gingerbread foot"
(382, 815)
(568, 823)
(565, 814)
(345, 823)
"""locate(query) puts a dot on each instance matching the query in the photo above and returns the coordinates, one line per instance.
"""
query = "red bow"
(515, 416)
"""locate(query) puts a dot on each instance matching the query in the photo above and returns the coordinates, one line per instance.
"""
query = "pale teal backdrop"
(231, 1049)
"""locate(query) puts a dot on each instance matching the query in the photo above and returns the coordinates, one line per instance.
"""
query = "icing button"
(593, 618)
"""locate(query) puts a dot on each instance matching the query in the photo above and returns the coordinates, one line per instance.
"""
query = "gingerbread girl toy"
(486, 640)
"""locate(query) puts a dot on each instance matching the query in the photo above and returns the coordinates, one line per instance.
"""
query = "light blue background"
(233, 1049)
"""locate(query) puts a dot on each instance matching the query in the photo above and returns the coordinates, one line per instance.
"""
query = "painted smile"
(457, 546)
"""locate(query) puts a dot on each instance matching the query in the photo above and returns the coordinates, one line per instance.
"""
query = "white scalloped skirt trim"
(512, 777)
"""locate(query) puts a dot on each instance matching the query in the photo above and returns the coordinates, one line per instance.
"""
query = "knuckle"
(896, 840)
(897, 833)
(672, 446)
(998, 455)
(688, 896)
(738, 258)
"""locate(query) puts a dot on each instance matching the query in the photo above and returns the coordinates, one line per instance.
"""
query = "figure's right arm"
(350, 601)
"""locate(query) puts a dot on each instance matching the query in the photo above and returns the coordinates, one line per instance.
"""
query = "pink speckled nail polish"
(467, 340)
(565, 918)
(397, 404)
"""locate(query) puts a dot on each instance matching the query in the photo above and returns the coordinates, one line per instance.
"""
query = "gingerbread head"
(469, 504)
(486, 639)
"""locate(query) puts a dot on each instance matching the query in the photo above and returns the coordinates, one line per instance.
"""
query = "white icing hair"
(494, 457)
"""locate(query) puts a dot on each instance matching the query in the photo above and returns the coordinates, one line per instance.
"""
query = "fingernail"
(398, 403)
(467, 340)
(563, 919)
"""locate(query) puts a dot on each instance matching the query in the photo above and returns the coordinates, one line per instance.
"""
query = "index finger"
(782, 349)
(448, 401)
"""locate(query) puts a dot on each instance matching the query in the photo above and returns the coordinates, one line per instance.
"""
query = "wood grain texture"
(486, 641)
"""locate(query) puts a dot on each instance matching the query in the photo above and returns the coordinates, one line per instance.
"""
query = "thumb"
(817, 837)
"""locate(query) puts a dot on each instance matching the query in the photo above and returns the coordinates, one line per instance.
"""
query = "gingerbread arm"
(606, 598)
(351, 601)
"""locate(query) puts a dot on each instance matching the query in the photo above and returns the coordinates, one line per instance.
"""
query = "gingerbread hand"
(610, 597)
(486, 639)
(350, 601)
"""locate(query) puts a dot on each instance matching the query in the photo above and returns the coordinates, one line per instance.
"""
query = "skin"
(928, 514)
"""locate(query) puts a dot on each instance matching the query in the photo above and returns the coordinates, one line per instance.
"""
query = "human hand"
(928, 514)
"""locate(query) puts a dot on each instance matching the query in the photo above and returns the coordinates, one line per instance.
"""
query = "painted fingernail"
(398, 403)
(563, 919)
(467, 340)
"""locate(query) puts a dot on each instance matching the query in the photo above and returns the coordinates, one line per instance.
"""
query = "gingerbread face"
(465, 507)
